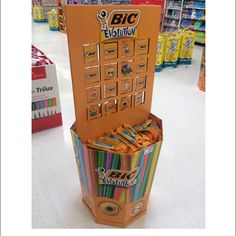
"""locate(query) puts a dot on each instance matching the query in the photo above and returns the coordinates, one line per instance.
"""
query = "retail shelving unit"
(172, 15)
(188, 14)
(48, 5)
(193, 17)
(61, 15)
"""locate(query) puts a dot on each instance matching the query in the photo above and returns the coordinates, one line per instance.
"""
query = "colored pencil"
(153, 167)
(132, 165)
(136, 187)
(114, 165)
(100, 163)
(81, 159)
(118, 190)
(88, 170)
(107, 167)
(146, 158)
(145, 178)
(93, 166)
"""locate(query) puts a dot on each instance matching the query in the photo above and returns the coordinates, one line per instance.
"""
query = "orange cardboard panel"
(120, 40)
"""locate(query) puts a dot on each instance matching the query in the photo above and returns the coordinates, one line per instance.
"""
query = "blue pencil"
(82, 163)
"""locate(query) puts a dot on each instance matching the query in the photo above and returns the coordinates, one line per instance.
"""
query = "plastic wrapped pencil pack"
(115, 137)
(175, 48)
(53, 20)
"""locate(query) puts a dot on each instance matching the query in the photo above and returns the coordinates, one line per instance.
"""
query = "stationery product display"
(38, 14)
(53, 20)
(46, 111)
(201, 83)
(187, 14)
(115, 137)
(160, 52)
(175, 48)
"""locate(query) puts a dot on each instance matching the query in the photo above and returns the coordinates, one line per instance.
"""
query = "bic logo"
(120, 178)
(119, 23)
(124, 18)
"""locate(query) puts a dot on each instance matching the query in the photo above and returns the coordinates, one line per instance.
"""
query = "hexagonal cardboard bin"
(116, 187)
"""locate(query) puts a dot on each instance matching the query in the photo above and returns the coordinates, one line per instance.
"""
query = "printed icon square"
(92, 74)
(141, 65)
(110, 51)
(127, 67)
(110, 71)
(141, 46)
(139, 98)
(94, 111)
(110, 107)
(140, 82)
(125, 103)
(90, 53)
(111, 90)
(126, 86)
(127, 48)
(94, 93)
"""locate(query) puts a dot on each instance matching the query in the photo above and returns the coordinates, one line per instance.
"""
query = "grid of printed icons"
(117, 77)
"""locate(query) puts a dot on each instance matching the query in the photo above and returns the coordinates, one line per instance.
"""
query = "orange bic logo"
(123, 18)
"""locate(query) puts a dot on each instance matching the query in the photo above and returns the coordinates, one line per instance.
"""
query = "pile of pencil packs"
(46, 110)
(53, 20)
(128, 138)
(38, 14)
(175, 48)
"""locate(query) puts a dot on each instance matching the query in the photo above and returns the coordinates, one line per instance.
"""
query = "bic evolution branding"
(119, 23)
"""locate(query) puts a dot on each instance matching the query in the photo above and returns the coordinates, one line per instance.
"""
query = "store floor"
(177, 198)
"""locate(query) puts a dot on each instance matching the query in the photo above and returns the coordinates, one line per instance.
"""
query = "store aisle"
(177, 198)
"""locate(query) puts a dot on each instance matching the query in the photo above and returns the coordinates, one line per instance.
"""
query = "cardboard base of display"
(109, 203)
(116, 224)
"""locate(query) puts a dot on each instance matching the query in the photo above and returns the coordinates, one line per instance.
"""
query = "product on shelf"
(202, 83)
(46, 111)
(160, 52)
(172, 15)
(115, 137)
(53, 20)
(38, 14)
(175, 48)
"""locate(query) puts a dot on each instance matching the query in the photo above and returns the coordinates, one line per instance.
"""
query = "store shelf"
(193, 18)
(174, 8)
(191, 28)
(191, 7)
(169, 25)
(203, 43)
(172, 17)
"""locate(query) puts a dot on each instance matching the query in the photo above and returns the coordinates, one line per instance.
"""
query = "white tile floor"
(178, 194)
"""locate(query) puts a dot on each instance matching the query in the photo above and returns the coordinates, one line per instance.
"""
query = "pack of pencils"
(175, 48)
(53, 20)
(116, 139)
(46, 110)
(38, 14)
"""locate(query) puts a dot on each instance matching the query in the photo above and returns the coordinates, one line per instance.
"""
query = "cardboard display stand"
(112, 56)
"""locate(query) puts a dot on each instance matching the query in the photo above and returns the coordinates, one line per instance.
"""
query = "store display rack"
(188, 14)
(47, 5)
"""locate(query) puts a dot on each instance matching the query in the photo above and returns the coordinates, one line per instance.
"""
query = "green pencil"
(100, 163)
(114, 165)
